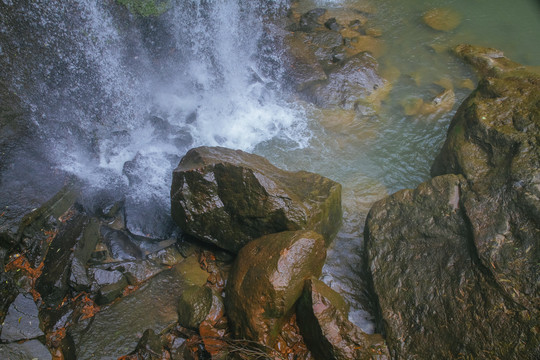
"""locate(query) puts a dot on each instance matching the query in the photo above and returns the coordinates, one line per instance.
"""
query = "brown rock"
(228, 197)
(323, 320)
(442, 19)
(267, 279)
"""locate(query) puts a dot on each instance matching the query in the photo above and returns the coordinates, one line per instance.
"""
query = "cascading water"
(117, 99)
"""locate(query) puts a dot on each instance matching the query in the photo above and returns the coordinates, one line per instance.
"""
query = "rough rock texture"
(266, 280)
(22, 320)
(116, 330)
(455, 262)
(323, 320)
(354, 84)
(229, 197)
(29, 350)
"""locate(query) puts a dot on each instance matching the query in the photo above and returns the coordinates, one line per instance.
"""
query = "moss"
(146, 8)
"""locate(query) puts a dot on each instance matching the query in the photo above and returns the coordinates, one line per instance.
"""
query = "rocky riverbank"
(454, 262)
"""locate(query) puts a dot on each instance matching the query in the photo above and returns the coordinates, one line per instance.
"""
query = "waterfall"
(116, 99)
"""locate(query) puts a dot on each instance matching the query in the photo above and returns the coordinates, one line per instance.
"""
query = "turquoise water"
(372, 156)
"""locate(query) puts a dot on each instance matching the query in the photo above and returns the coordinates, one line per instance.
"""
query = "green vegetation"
(146, 7)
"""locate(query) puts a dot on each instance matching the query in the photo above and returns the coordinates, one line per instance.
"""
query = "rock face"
(323, 320)
(267, 279)
(229, 197)
(22, 320)
(455, 262)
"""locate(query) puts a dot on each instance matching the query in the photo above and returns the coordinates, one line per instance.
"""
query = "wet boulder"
(267, 279)
(454, 262)
(228, 197)
(323, 320)
(302, 63)
(493, 142)
(194, 305)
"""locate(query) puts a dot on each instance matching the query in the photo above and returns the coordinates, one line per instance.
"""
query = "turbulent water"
(116, 100)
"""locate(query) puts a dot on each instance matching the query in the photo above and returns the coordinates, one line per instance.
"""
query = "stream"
(117, 99)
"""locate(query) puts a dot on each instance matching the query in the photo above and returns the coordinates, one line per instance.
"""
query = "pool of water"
(116, 101)
(373, 156)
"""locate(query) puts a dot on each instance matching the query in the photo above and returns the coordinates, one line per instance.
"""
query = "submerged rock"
(442, 19)
(323, 320)
(355, 83)
(267, 279)
(454, 262)
(228, 197)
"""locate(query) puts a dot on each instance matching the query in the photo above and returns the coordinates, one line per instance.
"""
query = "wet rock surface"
(21, 321)
(331, 59)
(28, 350)
(267, 279)
(114, 332)
(323, 321)
(454, 262)
(229, 197)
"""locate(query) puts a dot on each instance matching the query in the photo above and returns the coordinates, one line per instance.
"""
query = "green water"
(372, 156)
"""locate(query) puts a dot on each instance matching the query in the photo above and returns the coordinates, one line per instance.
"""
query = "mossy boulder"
(194, 305)
(267, 279)
(229, 197)
(454, 263)
(323, 320)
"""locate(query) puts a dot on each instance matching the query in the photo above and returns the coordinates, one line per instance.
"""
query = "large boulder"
(454, 263)
(228, 198)
(323, 320)
(267, 279)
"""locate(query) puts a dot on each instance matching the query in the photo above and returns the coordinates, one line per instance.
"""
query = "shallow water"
(117, 101)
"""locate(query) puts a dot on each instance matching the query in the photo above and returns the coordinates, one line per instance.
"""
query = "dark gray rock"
(120, 245)
(108, 293)
(228, 197)
(21, 321)
(78, 278)
(116, 330)
(53, 282)
(29, 350)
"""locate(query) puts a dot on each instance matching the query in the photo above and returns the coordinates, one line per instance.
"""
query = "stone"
(149, 347)
(193, 306)
(120, 246)
(267, 279)
(116, 330)
(323, 320)
(310, 20)
(353, 83)
(53, 282)
(78, 278)
(442, 19)
(21, 321)
(109, 292)
(28, 350)
(301, 62)
(228, 197)
(454, 261)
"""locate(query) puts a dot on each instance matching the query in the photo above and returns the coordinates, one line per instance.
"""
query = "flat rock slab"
(29, 350)
(229, 197)
(22, 320)
(115, 331)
